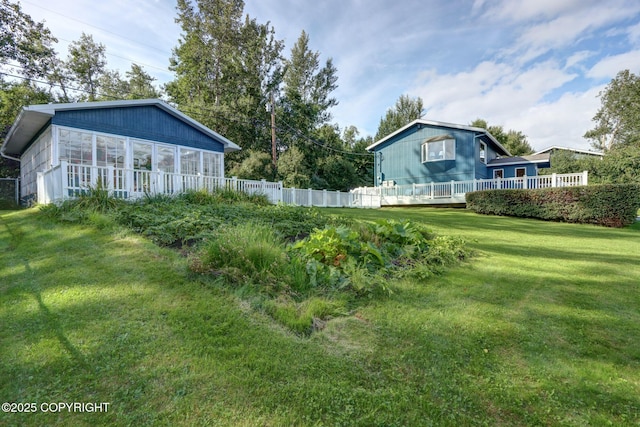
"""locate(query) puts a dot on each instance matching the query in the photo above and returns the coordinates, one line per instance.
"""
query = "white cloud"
(504, 95)
(539, 38)
(634, 33)
(609, 66)
(561, 122)
(577, 58)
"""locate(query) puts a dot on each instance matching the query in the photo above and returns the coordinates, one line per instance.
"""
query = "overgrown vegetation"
(297, 264)
(611, 205)
(542, 328)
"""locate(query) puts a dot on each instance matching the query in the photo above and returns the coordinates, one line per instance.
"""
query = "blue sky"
(536, 66)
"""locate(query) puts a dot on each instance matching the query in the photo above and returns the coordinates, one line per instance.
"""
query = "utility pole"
(273, 132)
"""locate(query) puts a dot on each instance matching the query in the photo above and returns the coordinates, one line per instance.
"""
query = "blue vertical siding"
(401, 158)
(144, 122)
(509, 171)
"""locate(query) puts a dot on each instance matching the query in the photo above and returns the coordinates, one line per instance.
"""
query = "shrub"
(246, 252)
(611, 205)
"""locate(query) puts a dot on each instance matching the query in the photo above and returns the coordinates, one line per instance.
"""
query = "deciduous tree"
(617, 122)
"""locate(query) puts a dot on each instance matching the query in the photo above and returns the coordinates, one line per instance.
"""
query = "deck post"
(160, 182)
(453, 188)
(64, 179)
(525, 182)
(431, 190)
(309, 197)
(281, 192)
(585, 177)
(554, 180)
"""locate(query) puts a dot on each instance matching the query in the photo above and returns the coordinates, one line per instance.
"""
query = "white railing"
(69, 180)
(455, 191)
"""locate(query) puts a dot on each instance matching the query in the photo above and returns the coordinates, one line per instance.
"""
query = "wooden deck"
(454, 192)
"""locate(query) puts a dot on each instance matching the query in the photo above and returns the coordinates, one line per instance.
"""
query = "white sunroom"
(133, 147)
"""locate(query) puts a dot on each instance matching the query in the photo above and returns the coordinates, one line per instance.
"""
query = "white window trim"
(483, 152)
(424, 151)
(495, 172)
(129, 141)
(523, 169)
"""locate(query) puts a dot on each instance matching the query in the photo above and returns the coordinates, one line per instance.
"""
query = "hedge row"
(611, 205)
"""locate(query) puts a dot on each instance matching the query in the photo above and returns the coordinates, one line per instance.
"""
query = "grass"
(541, 328)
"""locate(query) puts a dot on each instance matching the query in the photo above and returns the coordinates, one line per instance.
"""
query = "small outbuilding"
(132, 146)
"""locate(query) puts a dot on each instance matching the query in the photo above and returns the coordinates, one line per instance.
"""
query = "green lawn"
(542, 327)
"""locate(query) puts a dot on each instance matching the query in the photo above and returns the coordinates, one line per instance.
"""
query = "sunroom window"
(438, 148)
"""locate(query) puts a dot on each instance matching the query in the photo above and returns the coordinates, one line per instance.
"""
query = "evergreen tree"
(307, 91)
(225, 70)
(405, 111)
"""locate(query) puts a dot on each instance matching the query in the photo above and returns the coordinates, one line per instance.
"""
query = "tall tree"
(14, 96)
(140, 84)
(307, 90)
(86, 64)
(224, 67)
(617, 122)
(23, 42)
(405, 111)
(513, 140)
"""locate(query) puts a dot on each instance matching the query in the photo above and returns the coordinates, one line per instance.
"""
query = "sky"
(536, 66)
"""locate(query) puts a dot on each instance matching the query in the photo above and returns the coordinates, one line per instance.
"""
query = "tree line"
(231, 73)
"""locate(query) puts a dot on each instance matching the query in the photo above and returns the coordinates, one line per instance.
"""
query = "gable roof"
(518, 160)
(34, 117)
(439, 124)
(573, 150)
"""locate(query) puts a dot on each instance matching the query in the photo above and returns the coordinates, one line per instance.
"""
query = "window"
(498, 173)
(521, 172)
(189, 161)
(76, 147)
(483, 152)
(110, 151)
(211, 164)
(438, 148)
(166, 159)
(142, 156)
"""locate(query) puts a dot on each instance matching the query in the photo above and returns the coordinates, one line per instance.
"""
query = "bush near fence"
(611, 205)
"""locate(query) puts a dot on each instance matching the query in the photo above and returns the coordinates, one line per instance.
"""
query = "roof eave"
(32, 118)
(440, 124)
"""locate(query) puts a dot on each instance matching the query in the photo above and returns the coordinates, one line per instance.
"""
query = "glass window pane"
(142, 156)
(211, 164)
(189, 161)
(76, 147)
(166, 159)
(110, 151)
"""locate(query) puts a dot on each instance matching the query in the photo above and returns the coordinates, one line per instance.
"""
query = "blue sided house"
(426, 151)
(134, 147)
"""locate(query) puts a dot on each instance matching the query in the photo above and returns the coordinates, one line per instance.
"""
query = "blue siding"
(144, 122)
(402, 163)
(509, 171)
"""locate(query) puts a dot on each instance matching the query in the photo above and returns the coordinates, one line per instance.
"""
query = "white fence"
(68, 180)
(455, 191)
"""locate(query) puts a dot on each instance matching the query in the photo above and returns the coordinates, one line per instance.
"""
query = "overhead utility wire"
(190, 111)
